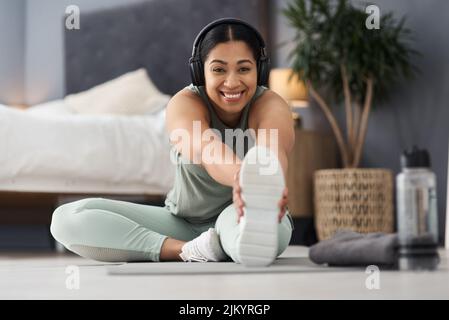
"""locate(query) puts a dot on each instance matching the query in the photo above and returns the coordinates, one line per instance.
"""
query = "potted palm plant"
(345, 63)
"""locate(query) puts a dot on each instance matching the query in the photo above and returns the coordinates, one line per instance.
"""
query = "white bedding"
(48, 148)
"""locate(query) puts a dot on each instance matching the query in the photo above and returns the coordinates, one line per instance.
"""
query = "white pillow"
(130, 94)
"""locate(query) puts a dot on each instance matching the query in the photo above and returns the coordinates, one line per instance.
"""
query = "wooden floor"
(51, 276)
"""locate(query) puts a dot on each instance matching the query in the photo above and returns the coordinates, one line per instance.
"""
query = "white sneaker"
(204, 248)
(262, 184)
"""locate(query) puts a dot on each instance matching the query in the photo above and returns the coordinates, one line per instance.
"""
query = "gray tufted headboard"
(155, 34)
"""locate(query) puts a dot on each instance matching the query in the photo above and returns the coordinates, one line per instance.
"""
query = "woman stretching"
(230, 138)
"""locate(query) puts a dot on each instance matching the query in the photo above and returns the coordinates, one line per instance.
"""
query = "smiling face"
(230, 73)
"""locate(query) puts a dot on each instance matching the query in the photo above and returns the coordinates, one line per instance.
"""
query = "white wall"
(12, 41)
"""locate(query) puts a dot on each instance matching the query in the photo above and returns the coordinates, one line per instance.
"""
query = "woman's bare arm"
(187, 125)
(272, 113)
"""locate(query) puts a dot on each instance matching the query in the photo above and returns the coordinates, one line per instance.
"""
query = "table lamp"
(293, 90)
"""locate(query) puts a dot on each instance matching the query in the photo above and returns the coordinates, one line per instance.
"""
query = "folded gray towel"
(347, 248)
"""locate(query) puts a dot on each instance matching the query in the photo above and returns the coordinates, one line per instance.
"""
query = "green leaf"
(328, 33)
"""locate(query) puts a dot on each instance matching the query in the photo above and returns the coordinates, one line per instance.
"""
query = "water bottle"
(417, 216)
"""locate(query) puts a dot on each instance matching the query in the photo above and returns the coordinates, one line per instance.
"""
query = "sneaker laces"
(191, 253)
(204, 248)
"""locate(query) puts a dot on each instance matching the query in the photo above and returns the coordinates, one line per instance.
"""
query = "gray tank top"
(196, 196)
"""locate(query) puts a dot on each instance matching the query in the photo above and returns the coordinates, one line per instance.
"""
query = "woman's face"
(230, 73)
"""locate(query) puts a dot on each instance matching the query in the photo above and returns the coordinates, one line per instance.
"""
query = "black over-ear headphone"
(196, 65)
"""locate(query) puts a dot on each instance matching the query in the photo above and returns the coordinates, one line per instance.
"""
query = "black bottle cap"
(417, 158)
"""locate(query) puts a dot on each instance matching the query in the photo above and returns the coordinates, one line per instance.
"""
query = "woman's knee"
(64, 220)
(226, 219)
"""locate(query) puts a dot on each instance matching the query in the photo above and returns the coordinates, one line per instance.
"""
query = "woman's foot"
(204, 248)
(262, 184)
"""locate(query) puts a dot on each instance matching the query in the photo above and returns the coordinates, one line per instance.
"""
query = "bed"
(53, 156)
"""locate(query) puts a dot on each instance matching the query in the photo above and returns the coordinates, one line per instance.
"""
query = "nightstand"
(312, 151)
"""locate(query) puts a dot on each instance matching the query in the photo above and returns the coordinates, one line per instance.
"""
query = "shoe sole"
(261, 190)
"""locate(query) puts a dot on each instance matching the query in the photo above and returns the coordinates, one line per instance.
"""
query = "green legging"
(112, 230)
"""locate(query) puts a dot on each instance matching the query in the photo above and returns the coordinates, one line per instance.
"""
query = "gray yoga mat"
(281, 265)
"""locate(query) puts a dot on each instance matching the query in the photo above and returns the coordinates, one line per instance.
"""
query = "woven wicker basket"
(355, 199)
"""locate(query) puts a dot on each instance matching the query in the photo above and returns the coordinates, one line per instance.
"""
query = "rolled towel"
(349, 248)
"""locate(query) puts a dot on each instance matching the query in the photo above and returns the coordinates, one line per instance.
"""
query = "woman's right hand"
(239, 204)
(236, 196)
